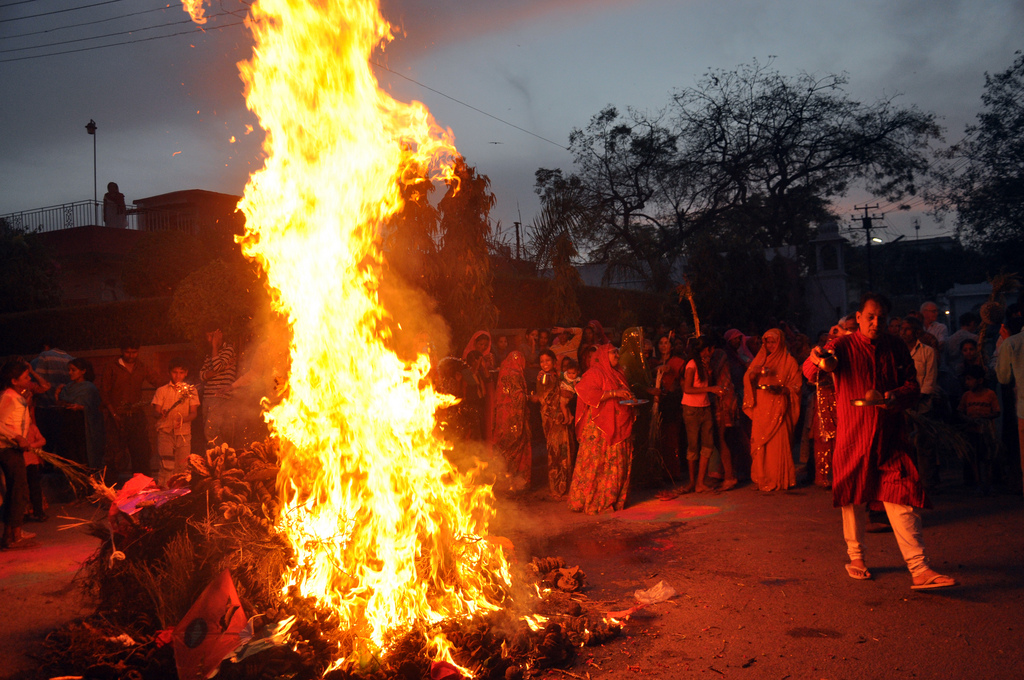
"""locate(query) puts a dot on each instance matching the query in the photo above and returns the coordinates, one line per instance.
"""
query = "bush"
(77, 329)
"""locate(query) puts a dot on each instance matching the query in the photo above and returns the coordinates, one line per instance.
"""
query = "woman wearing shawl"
(726, 412)
(511, 422)
(772, 402)
(481, 342)
(82, 395)
(668, 396)
(604, 427)
(556, 427)
(600, 337)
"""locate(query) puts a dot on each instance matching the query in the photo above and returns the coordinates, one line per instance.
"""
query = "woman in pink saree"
(604, 427)
(771, 399)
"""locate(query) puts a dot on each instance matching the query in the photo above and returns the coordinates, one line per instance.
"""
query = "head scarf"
(471, 345)
(613, 419)
(782, 366)
(514, 364)
(599, 335)
(741, 352)
(632, 361)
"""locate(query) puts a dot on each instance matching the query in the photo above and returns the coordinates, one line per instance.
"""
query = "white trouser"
(906, 525)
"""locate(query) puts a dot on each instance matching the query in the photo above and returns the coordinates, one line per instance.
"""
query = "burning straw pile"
(162, 550)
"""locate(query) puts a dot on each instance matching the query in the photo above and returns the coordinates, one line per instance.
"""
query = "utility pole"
(866, 225)
(91, 129)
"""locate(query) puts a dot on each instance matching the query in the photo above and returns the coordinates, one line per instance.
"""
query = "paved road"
(763, 592)
(762, 589)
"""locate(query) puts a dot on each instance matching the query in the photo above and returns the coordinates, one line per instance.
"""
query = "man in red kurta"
(872, 460)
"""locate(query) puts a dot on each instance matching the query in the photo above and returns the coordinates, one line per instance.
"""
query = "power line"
(85, 23)
(179, 33)
(469, 106)
(97, 37)
(58, 11)
(19, 2)
(123, 42)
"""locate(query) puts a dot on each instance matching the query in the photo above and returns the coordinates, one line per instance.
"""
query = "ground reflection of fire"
(387, 534)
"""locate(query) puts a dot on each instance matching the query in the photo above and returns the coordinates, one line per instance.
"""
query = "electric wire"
(223, 26)
(86, 23)
(58, 11)
(97, 37)
(469, 106)
(190, 31)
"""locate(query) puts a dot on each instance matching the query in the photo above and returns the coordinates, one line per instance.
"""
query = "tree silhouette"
(983, 178)
(746, 156)
(465, 280)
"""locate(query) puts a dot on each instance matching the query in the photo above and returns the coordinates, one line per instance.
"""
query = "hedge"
(88, 327)
(520, 303)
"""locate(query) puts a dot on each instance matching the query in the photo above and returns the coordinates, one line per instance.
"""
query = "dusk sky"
(167, 108)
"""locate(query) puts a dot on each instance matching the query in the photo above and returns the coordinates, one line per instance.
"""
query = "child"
(567, 403)
(17, 435)
(980, 407)
(567, 390)
(176, 405)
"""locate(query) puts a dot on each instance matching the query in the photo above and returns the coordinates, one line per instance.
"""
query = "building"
(90, 256)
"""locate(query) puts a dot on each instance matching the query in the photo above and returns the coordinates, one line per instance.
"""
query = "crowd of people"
(56, 403)
(863, 409)
(722, 404)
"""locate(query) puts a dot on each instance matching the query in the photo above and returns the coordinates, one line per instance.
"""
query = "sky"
(167, 108)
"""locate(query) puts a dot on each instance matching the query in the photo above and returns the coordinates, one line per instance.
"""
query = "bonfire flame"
(386, 532)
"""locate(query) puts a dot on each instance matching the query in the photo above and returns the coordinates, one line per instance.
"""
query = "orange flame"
(387, 533)
(195, 10)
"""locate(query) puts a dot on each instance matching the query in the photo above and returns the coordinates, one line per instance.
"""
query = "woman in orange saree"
(771, 399)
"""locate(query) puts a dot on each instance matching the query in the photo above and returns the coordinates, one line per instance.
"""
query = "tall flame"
(386, 532)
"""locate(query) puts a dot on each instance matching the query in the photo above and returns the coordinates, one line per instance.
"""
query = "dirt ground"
(762, 592)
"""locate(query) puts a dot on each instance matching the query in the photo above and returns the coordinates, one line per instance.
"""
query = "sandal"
(858, 573)
(935, 581)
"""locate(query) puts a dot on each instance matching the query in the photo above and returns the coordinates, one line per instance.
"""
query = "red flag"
(210, 630)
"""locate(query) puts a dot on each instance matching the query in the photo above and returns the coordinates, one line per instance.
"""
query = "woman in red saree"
(604, 427)
(771, 399)
(511, 422)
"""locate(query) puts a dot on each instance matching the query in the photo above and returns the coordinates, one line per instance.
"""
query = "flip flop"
(728, 484)
(858, 573)
(667, 495)
(937, 581)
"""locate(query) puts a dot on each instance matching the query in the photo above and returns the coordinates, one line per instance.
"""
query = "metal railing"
(89, 213)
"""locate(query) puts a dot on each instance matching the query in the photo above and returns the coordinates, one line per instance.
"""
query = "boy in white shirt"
(176, 404)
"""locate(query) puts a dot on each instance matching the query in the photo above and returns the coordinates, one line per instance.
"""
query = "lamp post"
(91, 129)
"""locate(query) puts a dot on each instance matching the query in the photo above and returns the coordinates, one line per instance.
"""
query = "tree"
(27, 273)
(223, 293)
(411, 235)
(562, 303)
(464, 283)
(746, 156)
(983, 178)
(159, 260)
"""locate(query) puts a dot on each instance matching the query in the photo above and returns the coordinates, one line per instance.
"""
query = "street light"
(91, 129)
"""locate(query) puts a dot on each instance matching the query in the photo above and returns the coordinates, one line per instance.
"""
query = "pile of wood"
(151, 567)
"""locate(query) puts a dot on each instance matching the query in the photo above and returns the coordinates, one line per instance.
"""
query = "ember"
(173, 551)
